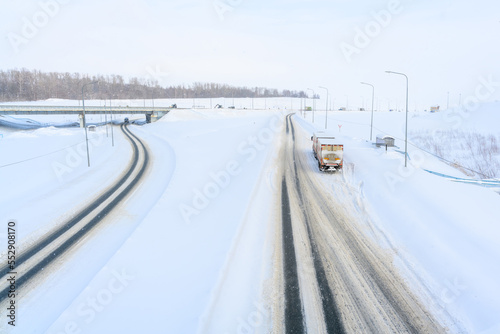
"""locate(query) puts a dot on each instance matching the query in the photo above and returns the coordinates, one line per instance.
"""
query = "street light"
(84, 120)
(314, 102)
(111, 112)
(373, 100)
(326, 109)
(406, 126)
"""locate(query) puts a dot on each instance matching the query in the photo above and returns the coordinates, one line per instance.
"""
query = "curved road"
(32, 261)
(335, 279)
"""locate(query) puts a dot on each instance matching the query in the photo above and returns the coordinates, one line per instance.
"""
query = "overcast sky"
(443, 45)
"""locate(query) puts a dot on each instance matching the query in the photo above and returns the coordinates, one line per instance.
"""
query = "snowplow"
(328, 151)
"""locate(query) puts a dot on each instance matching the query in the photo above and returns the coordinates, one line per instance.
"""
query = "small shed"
(385, 140)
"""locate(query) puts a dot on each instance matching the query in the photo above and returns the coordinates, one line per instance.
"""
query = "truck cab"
(328, 151)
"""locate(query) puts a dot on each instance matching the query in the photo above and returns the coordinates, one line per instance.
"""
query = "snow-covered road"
(346, 283)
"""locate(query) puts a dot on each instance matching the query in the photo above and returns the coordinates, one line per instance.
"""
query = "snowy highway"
(35, 259)
(258, 240)
(250, 167)
(335, 279)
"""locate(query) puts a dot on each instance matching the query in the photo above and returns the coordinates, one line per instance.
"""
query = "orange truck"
(328, 152)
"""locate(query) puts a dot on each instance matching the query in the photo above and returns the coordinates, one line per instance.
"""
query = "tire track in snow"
(359, 289)
(32, 261)
(294, 319)
(330, 314)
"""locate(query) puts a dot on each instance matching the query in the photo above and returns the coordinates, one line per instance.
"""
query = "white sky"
(443, 46)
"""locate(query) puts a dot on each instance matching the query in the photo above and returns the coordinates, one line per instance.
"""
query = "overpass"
(151, 113)
(91, 110)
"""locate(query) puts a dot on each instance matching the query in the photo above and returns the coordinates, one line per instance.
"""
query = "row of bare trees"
(33, 85)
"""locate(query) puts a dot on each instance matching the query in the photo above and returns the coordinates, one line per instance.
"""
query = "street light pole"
(106, 118)
(326, 107)
(314, 103)
(111, 112)
(85, 121)
(406, 127)
(373, 100)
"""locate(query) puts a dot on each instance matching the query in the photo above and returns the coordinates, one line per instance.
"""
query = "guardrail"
(490, 183)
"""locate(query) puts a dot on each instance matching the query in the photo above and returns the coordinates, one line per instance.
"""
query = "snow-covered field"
(191, 250)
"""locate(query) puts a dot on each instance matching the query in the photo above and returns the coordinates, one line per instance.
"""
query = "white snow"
(191, 250)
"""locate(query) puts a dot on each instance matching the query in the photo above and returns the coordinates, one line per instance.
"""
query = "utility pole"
(406, 127)
(373, 100)
(85, 121)
(326, 107)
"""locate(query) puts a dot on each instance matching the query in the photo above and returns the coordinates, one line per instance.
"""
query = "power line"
(40, 156)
